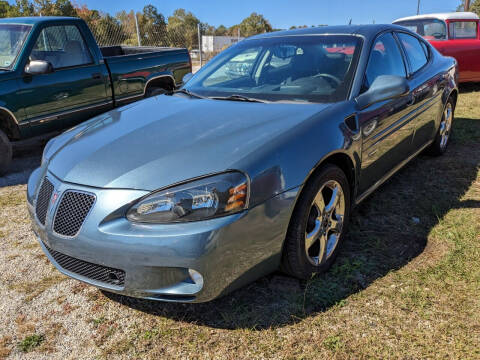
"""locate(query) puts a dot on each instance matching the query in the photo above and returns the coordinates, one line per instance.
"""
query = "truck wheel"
(5, 153)
(154, 92)
(318, 224)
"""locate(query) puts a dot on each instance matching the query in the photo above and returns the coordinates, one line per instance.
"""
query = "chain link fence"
(128, 31)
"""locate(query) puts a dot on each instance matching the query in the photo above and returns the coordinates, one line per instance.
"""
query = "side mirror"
(187, 77)
(383, 88)
(37, 67)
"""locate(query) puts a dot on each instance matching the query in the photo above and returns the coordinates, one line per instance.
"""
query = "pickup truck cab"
(53, 75)
(452, 34)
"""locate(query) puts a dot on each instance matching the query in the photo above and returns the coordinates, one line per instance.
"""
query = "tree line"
(474, 6)
(178, 29)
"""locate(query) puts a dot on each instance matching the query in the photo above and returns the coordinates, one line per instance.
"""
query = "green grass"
(31, 342)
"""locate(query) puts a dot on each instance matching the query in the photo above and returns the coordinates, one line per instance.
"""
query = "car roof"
(443, 16)
(34, 19)
(368, 31)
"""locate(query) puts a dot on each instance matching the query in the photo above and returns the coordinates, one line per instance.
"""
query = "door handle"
(96, 76)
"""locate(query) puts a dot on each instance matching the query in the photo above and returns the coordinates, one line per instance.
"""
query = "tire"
(6, 153)
(154, 92)
(439, 145)
(310, 221)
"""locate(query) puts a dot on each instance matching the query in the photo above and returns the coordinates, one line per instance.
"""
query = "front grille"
(92, 271)
(72, 211)
(43, 200)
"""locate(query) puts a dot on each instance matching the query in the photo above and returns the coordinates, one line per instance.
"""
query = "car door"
(426, 88)
(58, 99)
(385, 127)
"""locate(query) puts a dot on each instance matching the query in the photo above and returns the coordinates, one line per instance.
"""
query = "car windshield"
(429, 29)
(288, 68)
(12, 38)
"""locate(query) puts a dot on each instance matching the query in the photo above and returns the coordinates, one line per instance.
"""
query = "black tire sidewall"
(295, 261)
(5, 153)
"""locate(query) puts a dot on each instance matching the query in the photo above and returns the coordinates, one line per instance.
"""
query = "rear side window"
(415, 51)
(385, 59)
(463, 30)
(62, 46)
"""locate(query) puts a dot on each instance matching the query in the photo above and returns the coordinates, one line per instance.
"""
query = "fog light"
(196, 277)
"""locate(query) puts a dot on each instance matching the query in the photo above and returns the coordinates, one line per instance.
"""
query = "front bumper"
(187, 262)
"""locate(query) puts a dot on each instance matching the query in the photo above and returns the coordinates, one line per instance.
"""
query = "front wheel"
(5, 153)
(318, 224)
(439, 146)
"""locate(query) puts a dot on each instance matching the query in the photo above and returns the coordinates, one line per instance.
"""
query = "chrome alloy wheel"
(324, 223)
(446, 125)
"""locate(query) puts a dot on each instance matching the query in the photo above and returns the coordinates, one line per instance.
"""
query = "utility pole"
(467, 5)
(138, 31)
(418, 7)
(200, 44)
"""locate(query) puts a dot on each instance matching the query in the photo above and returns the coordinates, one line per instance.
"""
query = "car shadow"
(387, 232)
(469, 87)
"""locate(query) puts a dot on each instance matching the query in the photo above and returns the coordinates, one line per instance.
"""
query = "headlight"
(202, 199)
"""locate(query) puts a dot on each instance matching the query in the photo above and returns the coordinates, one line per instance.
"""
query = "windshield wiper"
(187, 92)
(237, 97)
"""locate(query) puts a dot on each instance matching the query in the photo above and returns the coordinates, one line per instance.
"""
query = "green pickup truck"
(53, 75)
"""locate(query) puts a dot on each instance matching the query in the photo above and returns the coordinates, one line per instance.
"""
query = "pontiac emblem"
(54, 197)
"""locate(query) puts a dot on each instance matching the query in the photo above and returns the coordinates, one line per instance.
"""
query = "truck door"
(464, 46)
(74, 91)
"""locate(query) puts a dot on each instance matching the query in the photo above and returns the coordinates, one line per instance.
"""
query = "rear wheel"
(318, 224)
(5, 153)
(439, 146)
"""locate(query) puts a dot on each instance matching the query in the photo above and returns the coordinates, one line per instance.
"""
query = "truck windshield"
(429, 29)
(12, 38)
(316, 68)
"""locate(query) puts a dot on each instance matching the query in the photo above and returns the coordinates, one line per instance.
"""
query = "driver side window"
(63, 46)
(385, 59)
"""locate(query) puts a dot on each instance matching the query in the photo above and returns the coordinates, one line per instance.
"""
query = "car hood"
(167, 139)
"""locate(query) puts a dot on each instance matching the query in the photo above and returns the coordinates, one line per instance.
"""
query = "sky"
(284, 13)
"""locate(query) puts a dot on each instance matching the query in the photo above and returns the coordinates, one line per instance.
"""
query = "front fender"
(290, 159)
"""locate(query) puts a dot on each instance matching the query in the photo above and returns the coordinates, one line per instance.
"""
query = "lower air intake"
(92, 271)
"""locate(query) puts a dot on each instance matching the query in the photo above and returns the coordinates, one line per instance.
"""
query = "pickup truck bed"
(55, 76)
(125, 86)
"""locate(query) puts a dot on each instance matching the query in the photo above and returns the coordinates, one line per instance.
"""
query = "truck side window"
(385, 59)
(463, 30)
(63, 46)
(414, 50)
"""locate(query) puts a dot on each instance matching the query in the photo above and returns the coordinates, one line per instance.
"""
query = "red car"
(453, 34)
